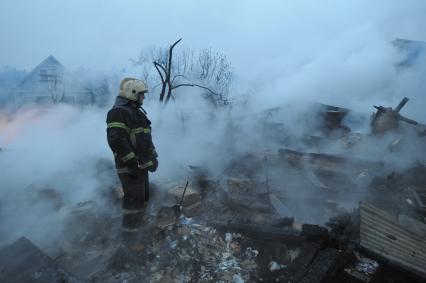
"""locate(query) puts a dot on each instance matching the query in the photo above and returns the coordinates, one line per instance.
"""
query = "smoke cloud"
(284, 54)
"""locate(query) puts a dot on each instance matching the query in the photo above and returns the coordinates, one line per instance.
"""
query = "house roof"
(49, 62)
(51, 72)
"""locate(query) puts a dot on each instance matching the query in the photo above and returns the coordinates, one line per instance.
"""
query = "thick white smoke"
(328, 55)
(47, 149)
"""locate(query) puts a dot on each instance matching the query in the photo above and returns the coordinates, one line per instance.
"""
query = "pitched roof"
(49, 77)
(49, 63)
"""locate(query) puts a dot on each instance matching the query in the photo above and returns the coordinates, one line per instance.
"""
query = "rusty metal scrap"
(387, 119)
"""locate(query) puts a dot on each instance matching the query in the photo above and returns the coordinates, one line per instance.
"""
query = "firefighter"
(129, 137)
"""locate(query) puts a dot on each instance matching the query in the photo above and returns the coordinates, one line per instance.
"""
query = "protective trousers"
(136, 196)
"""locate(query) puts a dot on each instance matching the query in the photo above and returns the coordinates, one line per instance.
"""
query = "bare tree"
(209, 71)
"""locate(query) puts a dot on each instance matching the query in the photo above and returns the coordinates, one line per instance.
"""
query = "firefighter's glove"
(154, 165)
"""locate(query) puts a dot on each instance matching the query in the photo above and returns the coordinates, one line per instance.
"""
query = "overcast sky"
(103, 35)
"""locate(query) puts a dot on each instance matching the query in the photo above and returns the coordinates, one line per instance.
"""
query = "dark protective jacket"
(129, 135)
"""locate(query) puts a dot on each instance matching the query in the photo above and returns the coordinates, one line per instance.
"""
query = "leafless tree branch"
(169, 69)
(175, 77)
(206, 68)
(157, 65)
(196, 85)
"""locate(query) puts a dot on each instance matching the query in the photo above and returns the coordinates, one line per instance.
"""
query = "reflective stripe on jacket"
(129, 133)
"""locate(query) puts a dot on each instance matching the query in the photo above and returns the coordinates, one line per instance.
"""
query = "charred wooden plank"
(22, 261)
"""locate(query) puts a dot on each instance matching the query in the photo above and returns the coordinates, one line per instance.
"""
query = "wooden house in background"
(51, 83)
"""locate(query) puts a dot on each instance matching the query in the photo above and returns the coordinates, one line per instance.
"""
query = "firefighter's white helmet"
(131, 87)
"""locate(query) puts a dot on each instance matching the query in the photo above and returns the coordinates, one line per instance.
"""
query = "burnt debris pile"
(317, 207)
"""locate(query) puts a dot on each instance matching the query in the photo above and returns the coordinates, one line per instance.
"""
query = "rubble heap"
(282, 215)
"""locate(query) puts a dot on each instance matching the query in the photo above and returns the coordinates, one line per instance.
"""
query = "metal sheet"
(381, 233)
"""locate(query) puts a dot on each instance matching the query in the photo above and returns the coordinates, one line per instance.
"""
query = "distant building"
(51, 83)
(9, 79)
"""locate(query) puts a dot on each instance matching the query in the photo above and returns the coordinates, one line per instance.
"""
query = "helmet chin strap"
(139, 106)
(139, 103)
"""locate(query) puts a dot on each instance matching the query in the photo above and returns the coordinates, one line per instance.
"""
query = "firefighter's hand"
(154, 165)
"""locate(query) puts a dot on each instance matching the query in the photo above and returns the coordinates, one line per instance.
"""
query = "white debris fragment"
(364, 268)
(228, 239)
(292, 254)
(186, 220)
(227, 264)
(367, 266)
(237, 278)
(226, 255)
(251, 253)
(274, 266)
(173, 244)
